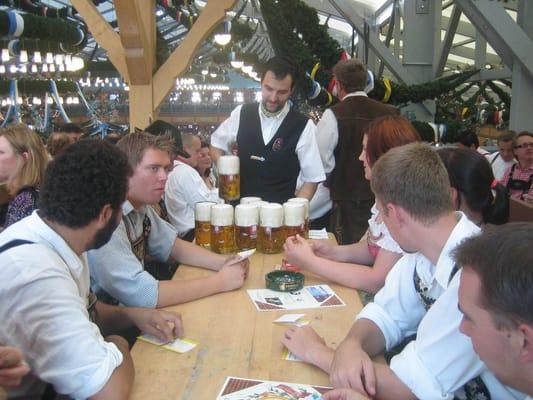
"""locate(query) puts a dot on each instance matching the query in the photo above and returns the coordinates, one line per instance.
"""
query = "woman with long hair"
(23, 160)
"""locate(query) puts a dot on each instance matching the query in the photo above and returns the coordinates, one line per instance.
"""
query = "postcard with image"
(315, 296)
(248, 389)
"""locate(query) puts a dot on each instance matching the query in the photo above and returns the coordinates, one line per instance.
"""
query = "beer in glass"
(222, 232)
(270, 238)
(294, 219)
(229, 180)
(202, 223)
(305, 202)
(246, 221)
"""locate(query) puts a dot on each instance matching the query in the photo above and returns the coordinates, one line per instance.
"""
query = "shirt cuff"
(386, 325)
(413, 373)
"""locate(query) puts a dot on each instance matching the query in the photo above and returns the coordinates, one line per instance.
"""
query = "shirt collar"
(445, 264)
(284, 111)
(357, 93)
(127, 208)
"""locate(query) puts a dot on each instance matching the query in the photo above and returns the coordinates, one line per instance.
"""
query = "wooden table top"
(235, 340)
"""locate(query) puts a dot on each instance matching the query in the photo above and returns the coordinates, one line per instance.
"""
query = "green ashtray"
(284, 281)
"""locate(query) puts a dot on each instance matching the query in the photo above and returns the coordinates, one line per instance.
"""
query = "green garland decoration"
(37, 87)
(502, 94)
(240, 31)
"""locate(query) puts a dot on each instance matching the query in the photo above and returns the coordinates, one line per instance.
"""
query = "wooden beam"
(104, 34)
(136, 23)
(212, 14)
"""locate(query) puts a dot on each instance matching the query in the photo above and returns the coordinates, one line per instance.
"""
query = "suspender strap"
(422, 291)
(14, 243)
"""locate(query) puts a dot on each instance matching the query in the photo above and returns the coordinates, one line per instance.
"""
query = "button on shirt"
(184, 188)
(441, 359)
(117, 273)
(306, 148)
(327, 136)
(44, 289)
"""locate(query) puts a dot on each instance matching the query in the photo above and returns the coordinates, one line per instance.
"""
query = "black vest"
(270, 171)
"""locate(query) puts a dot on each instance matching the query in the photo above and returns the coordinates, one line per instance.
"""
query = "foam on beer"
(228, 165)
(294, 213)
(222, 215)
(271, 215)
(247, 200)
(303, 201)
(246, 215)
(202, 210)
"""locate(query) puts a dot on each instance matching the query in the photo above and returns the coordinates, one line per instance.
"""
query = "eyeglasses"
(524, 146)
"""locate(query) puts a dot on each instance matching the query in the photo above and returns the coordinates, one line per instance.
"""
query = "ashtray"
(284, 281)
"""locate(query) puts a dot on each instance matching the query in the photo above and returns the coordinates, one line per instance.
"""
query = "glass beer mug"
(248, 200)
(222, 232)
(294, 219)
(270, 238)
(305, 202)
(246, 221)
(202, 223)
(229, 180)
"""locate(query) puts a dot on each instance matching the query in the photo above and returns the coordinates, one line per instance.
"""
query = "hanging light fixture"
(224, 37)
(234, 62)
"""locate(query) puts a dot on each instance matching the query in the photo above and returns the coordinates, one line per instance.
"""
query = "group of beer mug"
(252, 224)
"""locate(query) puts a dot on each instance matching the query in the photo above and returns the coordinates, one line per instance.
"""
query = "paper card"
(242, 388)
(316, 296)
(246, 253)
(292, 319)
(288, 356)
(180, 345)
(318, 234)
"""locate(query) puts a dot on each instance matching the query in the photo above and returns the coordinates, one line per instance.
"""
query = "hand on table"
(166, 325)
(298, 252)
(233, 273)
(12, 367)
(343, 394)
(304, 343)
(353, 368)
(324, 249)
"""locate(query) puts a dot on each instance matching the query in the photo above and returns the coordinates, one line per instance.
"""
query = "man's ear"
(455, 197)
(526, 351)
(105, 215)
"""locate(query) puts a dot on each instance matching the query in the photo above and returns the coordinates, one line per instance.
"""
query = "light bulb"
(37, 57)
(5, 55)
(49, 58)
(23, 56)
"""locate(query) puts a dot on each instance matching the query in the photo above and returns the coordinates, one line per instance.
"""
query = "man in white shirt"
(274, 142)
(496, 299)
(419, 297)
(185, 187)
(47, 310)
(340, 137)
(117, 269)
(503, 159)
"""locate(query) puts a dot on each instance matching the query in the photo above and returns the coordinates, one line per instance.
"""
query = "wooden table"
(235, 340)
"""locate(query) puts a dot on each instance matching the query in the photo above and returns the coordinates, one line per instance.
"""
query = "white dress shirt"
(499, 166)
(306, 148)
(44, 289)
(327, 135)
(184, 188)
(441, 359)
(117, 273)
(380, 234)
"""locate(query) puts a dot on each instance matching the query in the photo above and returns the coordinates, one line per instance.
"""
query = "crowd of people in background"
(423, 230)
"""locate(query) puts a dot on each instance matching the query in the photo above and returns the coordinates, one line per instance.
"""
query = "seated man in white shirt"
(419, 298)
(47, 310)
(496, 299)
(185, 187)
(117, 269)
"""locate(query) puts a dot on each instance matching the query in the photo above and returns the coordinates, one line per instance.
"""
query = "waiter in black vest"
(274, 142)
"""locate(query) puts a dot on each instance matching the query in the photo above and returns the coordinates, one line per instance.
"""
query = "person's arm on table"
(121, 381)
(356, 253)
(343, 394)
(305, 343)
(370, 279)
(165, 325)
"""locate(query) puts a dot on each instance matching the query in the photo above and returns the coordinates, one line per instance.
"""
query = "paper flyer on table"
(180, 345)
(316, 296)
(241, 388)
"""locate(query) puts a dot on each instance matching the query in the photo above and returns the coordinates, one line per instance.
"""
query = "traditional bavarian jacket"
(421, 298)
(117, 268)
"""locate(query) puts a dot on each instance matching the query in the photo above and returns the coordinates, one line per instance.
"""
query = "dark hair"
(78, 183)
(113, 137)
(521, 134)
(506, 136)
(468, 138)
(70, 128)
(471, 174)
(387, 132)
(502, 258)
(57, 143)
(351, 74)
(280, 67)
